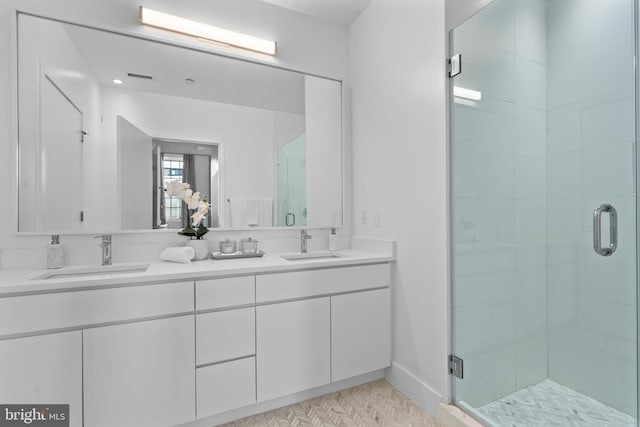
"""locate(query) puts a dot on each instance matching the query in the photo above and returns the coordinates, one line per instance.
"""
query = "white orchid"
(203, 206)
(192, 199)
(200, 213)
(177, 188)
(183, 191)
(197, 218)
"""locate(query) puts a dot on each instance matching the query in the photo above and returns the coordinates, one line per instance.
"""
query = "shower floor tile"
(551, 404)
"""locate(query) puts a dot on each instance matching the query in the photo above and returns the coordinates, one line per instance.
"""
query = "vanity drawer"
(225, 386)
(226, 292)
(73, 309)
(300, 284)
(225, 335)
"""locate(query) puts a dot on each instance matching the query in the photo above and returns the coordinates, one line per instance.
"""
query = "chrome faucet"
(105, 244)
(304, 236)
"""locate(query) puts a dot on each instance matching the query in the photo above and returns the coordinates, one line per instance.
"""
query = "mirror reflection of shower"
(292, 191)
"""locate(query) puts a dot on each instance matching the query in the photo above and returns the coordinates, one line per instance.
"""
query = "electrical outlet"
(364, 216)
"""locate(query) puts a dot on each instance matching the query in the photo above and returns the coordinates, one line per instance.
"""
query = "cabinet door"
(45, 369)
(360, 333)
(292, 351)
(226, 386)
(140, 374)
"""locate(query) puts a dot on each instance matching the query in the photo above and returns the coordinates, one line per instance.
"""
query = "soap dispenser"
(333, 240)
(55, 253)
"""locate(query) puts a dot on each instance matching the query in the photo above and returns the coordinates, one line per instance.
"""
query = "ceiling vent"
(140, 76)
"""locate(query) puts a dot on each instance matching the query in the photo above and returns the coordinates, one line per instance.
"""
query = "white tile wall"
(531, 81)
(488, 375)
(530, 220)
(563, 130)
(609, 123)
(531, 360)
(531, 30)
(530, 176)
(531, 129)
(531, 302)
(564, 175)
(591, 117)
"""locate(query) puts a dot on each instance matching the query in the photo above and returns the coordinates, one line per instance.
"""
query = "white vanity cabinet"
(293, 347)
(140, 371)
(100, 371)
(225, 344)
(311, 319)
(44, 369)
(140, 374)
(160, 353)
(360, 333)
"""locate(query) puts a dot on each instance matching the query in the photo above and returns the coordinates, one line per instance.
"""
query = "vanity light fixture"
(205, 32)
(461, 92)
(117, 81)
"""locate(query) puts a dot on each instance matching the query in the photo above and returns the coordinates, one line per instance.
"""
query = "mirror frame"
(232, 54)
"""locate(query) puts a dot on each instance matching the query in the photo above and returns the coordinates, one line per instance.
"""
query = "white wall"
(323, 136)
(457, 11)
(304, 44)
(286, 127)
(245, 134)
(398, 96)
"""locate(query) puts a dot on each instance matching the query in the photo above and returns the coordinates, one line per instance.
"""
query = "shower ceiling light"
(205, 32)
(461, 92)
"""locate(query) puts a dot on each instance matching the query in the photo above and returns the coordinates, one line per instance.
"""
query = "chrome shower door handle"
(286, 219)
(613, 230)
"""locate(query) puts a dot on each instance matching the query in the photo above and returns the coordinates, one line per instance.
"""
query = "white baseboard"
(414, 388)
(260, 407)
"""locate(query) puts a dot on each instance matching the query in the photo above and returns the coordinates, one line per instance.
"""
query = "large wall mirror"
(106, 119)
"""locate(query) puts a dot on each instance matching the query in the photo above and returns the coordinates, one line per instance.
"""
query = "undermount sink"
(93, 271)
(311, 255)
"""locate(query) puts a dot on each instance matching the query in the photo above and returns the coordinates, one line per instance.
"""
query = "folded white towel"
(265, 207)
(252, 212)
(181, 254)
(238, 211)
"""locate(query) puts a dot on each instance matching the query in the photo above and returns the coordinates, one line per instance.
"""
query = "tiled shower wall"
(591, 132)
(498, 178)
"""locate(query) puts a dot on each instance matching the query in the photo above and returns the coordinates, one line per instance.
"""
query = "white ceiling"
(217, 78)
(342, 12)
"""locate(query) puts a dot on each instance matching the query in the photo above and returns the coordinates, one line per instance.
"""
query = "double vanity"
(163, 344)
(159, 343)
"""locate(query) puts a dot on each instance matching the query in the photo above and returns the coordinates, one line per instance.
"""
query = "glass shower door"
(543, 149)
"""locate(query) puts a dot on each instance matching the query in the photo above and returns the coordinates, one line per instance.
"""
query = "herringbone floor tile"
(550, 404)
(374, 404)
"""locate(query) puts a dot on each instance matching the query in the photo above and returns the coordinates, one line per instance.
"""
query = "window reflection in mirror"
(191, 162)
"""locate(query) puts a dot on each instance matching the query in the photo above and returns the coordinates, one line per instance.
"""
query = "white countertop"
(14, 282)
